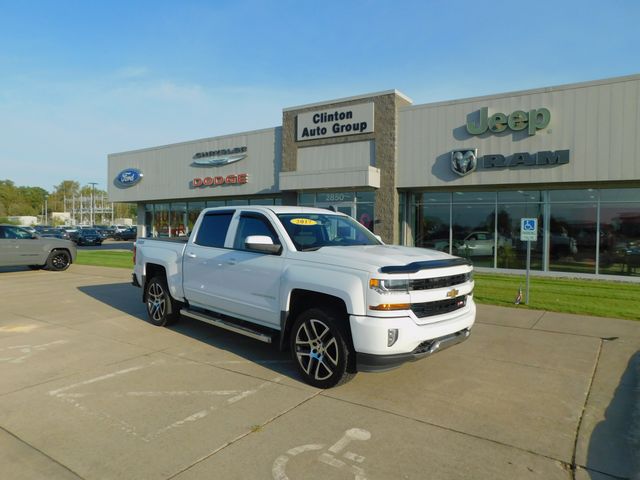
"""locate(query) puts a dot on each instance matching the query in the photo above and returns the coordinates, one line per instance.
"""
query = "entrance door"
(346, 208)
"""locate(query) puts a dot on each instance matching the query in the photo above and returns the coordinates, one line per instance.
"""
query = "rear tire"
(58, 260)
(162, 309)
(320, 349)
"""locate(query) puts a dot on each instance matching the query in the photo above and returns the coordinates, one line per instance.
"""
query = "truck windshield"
(313, 231)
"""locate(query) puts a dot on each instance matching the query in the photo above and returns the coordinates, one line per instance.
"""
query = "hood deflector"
(415, 267)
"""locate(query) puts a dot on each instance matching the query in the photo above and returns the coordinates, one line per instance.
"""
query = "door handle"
(191, 255)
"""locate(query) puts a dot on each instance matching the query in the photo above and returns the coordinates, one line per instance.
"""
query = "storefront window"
(473, 231)
(233, 203)
(433, 225)
(472, 198)
(512, 252)
(261, 201)
(178, 220)
(512, 207)
(148, 219)
(620, 238)
(359, 205)
(588, 195)
(193, 210)
(583, 230)
(160, 220)
(307, 199)
(572, 237)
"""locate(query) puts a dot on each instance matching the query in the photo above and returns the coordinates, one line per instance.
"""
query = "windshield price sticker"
(303, 221)
(529, 229)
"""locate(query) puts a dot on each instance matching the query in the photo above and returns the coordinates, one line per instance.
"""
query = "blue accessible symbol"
(529, 225)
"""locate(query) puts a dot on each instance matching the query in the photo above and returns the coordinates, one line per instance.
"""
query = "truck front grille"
(439, 282)
(429, 309)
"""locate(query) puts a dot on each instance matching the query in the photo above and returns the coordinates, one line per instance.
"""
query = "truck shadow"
(614, 445)
(127, 299)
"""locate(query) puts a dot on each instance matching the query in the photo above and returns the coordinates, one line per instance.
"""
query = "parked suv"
(88, 236)
(128, 234)
(18, 246)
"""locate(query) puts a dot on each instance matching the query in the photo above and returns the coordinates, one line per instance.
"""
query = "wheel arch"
(152, 270)
(301, 300)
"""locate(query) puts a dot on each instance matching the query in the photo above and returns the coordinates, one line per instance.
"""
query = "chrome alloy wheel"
(156, 302)
(316, 349)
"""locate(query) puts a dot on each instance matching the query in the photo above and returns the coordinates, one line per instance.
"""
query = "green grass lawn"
(590, 297)
(105, 258)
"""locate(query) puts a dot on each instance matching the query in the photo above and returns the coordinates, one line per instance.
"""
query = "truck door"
(252, 279)
(204, 260)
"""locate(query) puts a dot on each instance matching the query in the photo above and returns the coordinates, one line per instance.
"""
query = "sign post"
(528, 233)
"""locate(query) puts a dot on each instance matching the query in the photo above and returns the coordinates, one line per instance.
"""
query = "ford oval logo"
(128, 178)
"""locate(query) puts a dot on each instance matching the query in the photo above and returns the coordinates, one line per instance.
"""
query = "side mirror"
(262, 243)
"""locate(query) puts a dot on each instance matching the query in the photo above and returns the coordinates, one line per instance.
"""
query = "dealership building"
(458, 176)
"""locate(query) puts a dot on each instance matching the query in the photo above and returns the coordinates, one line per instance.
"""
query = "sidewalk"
(608, 440)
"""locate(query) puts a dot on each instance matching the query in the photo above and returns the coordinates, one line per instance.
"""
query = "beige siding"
(167, 171)
(598, 122)
(333, 157)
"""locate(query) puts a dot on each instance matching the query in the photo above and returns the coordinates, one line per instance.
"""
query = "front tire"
(58, 261)
(320, 349)
(162, 309)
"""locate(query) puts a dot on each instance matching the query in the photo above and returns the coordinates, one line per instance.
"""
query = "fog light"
(392, 336)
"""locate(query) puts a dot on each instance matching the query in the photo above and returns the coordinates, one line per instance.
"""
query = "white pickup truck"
(311, 280)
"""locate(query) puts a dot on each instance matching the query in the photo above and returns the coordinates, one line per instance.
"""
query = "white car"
(479, 243)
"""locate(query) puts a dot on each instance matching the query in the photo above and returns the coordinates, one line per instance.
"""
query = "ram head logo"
(464, 162)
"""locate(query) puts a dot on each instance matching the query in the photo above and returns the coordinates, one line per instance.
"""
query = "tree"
(67, 189)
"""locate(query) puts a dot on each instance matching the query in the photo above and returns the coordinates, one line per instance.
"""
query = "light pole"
(93, 187)
(46, 207)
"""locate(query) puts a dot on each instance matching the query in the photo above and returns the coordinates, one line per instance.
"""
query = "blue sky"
(82, 79)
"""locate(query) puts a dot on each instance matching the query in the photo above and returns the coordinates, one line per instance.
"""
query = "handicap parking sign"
(529, 229)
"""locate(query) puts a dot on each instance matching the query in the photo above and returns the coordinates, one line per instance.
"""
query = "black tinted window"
(253, 225)
(213, 229)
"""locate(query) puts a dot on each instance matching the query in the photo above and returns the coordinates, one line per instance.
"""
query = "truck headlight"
(389, 286)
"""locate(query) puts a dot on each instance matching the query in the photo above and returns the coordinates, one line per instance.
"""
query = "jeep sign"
(533, 120)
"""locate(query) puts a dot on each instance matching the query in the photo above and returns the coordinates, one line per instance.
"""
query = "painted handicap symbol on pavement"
(329, 457)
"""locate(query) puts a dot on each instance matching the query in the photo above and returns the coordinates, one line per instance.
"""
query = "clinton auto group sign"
(337, 122)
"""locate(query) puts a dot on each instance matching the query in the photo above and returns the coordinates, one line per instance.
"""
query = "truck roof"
(277, 209)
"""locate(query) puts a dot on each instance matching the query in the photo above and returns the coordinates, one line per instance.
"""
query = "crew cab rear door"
(204, 259)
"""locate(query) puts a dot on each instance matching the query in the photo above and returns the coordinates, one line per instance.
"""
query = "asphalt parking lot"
(89, 389)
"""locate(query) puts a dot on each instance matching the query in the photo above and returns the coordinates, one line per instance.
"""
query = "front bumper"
(367, 362)
(413, 341)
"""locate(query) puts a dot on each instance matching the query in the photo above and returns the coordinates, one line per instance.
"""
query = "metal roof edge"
(349, 99)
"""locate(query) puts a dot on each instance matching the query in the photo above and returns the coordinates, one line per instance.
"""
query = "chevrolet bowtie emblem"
(453, 293)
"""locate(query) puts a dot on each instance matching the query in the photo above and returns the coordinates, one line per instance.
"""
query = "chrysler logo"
(464, 162)
(128, 178)
(217, 158)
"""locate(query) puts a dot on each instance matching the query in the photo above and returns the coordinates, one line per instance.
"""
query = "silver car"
(18, 246)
